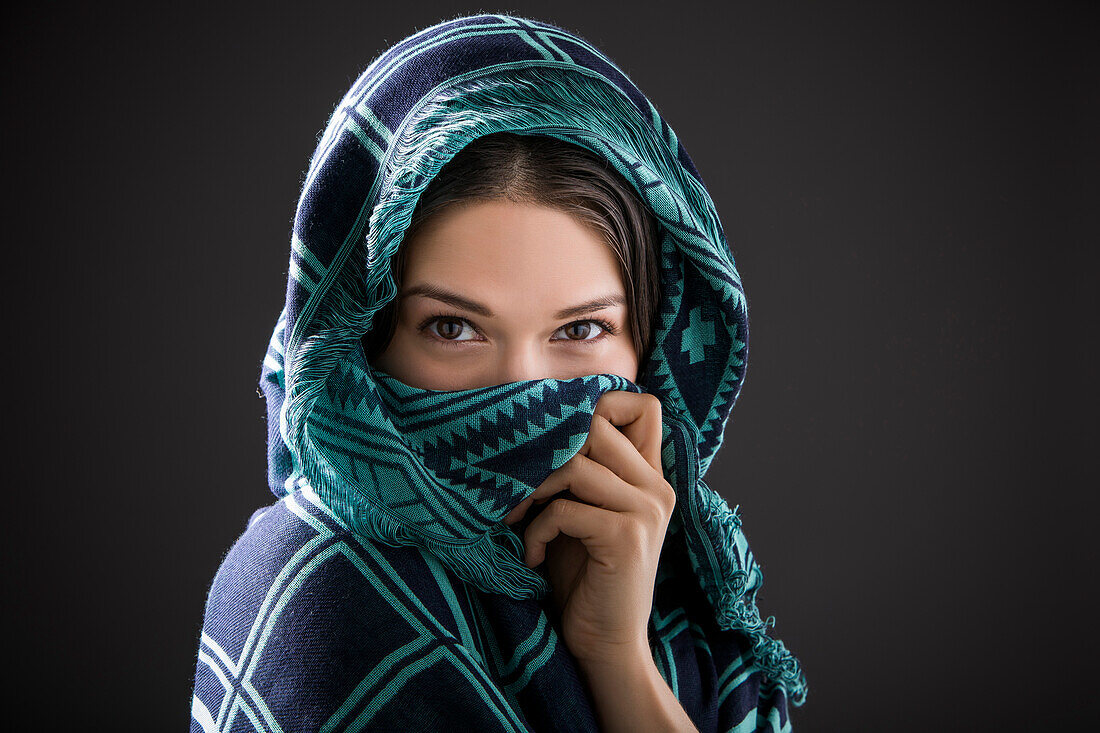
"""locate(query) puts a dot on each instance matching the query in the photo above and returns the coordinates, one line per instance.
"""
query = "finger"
(606, 444)
(639, 418)
(593, 483)
(596, 528)
(517, 513)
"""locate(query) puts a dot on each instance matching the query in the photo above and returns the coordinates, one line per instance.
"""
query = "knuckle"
(631, 530)
(562, 507)
(670, 492)
(658, 511)
(666, 497)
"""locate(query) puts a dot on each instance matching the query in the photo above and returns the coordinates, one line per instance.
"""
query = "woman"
(512, 337)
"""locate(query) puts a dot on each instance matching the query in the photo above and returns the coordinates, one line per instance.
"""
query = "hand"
(602, 548)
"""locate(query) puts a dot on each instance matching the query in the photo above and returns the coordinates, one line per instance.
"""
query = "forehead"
(503, 252)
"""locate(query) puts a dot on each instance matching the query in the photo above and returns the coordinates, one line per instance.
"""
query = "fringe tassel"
(492, 562)
(732, 591)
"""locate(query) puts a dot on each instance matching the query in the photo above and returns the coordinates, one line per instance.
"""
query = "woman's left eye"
(583, 330)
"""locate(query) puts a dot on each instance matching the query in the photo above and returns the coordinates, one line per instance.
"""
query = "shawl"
(382, 590)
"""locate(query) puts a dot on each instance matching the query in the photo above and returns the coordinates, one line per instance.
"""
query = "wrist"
(619, 661)
(631, 696)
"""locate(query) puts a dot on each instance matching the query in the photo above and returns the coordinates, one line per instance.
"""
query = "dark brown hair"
(546, 171)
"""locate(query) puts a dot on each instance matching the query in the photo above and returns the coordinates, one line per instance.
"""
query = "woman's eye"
(450, 329)
(583, 331)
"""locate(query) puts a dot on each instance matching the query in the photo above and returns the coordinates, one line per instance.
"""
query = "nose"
(522, 362)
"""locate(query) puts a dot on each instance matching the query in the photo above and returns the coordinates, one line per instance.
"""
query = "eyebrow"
(436, 292)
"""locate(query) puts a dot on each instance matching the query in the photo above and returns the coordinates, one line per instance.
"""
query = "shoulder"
(305, 619)
(297, 558)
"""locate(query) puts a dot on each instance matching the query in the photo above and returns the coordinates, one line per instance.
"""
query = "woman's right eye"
(450, 328)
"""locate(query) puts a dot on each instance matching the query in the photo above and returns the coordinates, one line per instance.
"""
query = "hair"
(546, 171)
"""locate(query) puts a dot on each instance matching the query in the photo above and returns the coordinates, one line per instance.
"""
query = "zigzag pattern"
(483, 449)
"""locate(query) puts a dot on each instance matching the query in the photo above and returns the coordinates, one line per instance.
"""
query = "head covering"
(441, 470)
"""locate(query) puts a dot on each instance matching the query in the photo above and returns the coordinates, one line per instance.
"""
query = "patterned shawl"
(383, 590)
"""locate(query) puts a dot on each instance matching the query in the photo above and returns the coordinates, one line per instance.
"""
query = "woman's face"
(496, 292)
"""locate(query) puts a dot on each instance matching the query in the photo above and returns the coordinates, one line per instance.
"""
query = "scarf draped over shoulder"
(354, 452)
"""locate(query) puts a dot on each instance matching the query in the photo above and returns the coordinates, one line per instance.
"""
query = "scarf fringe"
(732, 592)
(493, 562)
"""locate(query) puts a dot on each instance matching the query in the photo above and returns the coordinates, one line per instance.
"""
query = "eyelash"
(608, 329)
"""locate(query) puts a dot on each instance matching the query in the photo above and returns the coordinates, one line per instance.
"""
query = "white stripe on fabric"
(201, 714)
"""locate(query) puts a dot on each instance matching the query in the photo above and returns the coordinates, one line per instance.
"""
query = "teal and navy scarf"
(383, 590)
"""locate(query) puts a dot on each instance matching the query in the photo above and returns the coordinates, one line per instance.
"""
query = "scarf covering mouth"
(440, 470)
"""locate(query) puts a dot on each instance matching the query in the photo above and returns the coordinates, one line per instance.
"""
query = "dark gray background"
(909, 193)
